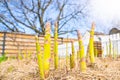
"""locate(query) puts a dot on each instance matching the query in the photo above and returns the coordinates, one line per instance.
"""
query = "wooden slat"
(19, 39)
(20, 36)
(16, 48)
(24, 47)
(19, 43)
(27, 36)
(17, 51)
(8, 41)
(1, 34)
(1, 38)
(25, 40)
(0, 51)
(1, 47)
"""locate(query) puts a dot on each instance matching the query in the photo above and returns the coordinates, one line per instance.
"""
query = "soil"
(27, 69)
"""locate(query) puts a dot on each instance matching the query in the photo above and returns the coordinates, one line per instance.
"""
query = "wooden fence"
(98, 47)
(14, 43)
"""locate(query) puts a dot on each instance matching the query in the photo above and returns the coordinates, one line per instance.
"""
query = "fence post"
(3, 46)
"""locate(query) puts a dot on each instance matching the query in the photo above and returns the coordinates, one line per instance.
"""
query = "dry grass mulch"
(104, 69)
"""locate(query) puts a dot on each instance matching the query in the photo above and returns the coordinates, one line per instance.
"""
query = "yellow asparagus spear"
(110, 48)
(67, 56)
(56, 46)
(91, 44)
(81, 52)
(47, 42)
(39, 57)
(72, 57)
(96, 52)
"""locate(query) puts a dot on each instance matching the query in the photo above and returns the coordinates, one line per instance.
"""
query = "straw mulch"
(26, 69)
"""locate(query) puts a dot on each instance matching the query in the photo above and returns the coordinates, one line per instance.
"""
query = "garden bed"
(26, 69)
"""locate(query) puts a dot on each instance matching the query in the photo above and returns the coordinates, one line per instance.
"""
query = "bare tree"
(17, 15)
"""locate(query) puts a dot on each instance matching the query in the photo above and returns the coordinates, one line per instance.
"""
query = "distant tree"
(18, 15)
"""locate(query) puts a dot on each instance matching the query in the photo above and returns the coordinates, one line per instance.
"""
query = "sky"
(105, 13)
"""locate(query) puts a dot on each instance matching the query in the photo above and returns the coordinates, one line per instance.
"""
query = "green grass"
(3, 58)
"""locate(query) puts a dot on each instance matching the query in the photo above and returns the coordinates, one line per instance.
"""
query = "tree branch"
(27, 8)
(4, 23)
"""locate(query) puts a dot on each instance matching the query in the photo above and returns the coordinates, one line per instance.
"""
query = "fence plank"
(18, 42)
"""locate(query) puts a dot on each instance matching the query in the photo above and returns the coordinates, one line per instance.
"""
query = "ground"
(27, 69)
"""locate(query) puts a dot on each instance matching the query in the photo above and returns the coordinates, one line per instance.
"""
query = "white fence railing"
(62, 48)
(114, 41)
(105, 40)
